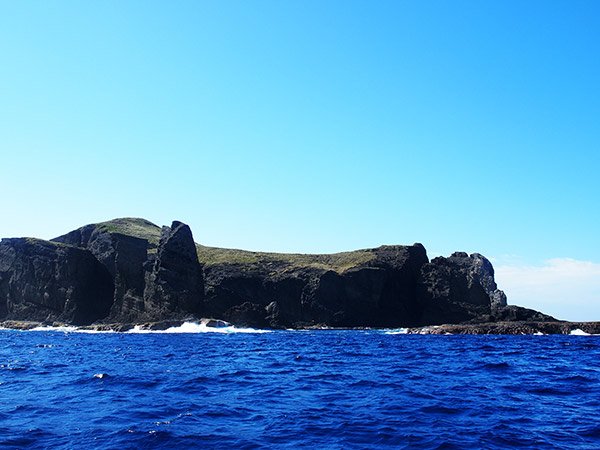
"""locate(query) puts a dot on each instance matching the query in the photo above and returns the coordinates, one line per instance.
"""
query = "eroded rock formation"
(45, 281)
(130, 271)
(174, 280)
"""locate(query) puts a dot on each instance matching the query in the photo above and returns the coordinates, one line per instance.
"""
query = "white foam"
(63, 329)
(69, 329)
(87, 330)
(398, 331)
(186, 327)
(579, 332)
(194, 327)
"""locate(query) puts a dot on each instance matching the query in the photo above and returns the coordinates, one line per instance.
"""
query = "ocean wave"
(579, 332)
(186, 327)
(68, 329)
(328, 390)
(398, 331)
(195, 327)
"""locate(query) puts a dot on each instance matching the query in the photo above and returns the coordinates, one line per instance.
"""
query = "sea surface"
(321, 389)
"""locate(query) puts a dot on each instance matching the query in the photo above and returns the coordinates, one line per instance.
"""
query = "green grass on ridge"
(144, 229)
(140, 228)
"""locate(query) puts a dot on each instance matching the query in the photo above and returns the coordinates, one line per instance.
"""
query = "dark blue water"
(317, 390)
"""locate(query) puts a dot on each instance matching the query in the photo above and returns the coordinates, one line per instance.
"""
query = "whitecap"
(186, 327)
(63, 329)
(398, 331)
(68, 329)
(194, 327)
(579, 332)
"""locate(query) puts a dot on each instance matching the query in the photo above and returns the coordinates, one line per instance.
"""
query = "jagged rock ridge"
(132, 271)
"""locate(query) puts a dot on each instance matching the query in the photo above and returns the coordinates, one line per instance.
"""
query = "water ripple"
(317, 389)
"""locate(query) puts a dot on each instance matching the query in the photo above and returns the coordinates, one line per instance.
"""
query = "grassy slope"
(338, 261)
(145, 229)
(140, 228)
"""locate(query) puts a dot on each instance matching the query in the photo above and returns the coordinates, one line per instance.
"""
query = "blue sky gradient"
(313, 127)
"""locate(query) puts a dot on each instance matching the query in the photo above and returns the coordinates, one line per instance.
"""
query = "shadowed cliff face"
(174, 285)
(43, 281)
(379, 292)
(124, 258)
(131, 271)
(162, 285)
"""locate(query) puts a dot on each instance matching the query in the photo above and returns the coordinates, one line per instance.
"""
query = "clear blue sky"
(313, 126)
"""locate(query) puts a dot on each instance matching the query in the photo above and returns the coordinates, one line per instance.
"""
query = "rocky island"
(126, 272)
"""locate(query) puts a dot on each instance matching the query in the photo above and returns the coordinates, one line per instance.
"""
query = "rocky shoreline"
(493, 328)
(512, 328)
(120, 273)
(24, 325)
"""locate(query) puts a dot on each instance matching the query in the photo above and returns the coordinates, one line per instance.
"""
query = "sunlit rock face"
(458, 288)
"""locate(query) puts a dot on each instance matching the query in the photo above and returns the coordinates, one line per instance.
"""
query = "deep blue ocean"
(297, 389)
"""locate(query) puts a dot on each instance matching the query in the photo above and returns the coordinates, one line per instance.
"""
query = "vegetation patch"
(139, 228)
(337, 261)
(144, 229)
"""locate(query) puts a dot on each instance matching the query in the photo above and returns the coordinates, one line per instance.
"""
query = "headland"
(129, 271)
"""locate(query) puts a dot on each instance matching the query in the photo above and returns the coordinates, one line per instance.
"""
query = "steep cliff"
(132, 271)
(156, 273)
(457, 289)
(46, 281)
(174, 283)
(377, 290)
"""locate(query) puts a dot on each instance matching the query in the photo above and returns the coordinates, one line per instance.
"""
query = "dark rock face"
(129, 256)
(519, 327)
(107, 273)
(43, 281)
(123, 256)
(162, 286)
(512, 313)
(255, 297)
(174, 284)
(457, 289)
(380, 293)
(80, 237)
